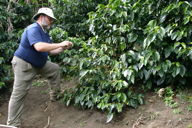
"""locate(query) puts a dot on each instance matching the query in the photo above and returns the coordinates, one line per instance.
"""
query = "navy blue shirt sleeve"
(34, 36)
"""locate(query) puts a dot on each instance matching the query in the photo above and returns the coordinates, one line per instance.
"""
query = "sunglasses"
(50, 19)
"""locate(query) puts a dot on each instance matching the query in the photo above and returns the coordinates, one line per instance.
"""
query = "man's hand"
(56, 51)
(63, 46)
(66, 44)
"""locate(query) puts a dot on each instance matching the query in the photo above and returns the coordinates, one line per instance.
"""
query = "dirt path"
(39, 112)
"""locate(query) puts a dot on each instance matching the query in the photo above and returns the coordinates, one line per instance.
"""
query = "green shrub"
(9, 37)
(72, 15)
(133, 44)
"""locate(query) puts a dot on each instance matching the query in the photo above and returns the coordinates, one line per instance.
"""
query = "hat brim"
(35, 17)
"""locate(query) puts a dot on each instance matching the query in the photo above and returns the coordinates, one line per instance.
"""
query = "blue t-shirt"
(33, 34)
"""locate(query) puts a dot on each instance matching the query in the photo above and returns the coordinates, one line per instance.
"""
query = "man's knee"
(56, 68)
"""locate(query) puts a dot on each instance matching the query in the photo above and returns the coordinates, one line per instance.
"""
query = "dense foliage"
(14, 17)
(69, 59)
(121, 47)
(10, 29)
(135, 44)
(72, 15)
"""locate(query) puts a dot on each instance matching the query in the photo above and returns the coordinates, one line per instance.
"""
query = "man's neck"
(41, 25)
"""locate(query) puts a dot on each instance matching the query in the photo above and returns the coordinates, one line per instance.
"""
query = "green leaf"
(168, 62)
(160, 81)
(168, 52)
(152, 23)
(186, 20)
(1, 60)
(146, 74)
(132, 37)
(124, 97)
(147, 56)
(122, 46)
(123, 58)
(83, 73)
(180, 35)
(125, 73)
(125, 84)
(109, 117)
(176, 35)
(92, 28)
(141, 101)
(168, 28)
(162, 18)
(157, 55)
(165, 67)
(119, 107)
(148, 40)
(149, 85)
(68, 102)
(133, 103)
(161, 73)
(161, 33)
(2, 84)
(182, 70)
(81, 65)
(132, 79)
(176, 71)
(140, 65)
(101, 106)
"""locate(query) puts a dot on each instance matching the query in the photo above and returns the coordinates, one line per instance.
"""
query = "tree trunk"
(10, 25)
(27, 1)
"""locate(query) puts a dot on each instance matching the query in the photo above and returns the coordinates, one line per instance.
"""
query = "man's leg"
(52, 72)
(23, 75)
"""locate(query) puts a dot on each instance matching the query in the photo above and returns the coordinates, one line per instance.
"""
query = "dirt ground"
(40, 112)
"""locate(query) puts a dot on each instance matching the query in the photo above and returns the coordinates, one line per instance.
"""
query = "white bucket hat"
(46, 11)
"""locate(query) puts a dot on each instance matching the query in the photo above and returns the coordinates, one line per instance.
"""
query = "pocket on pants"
(20, 65)
(26, 67)
(13, 62)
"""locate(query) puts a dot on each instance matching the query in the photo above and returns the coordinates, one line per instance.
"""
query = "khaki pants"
(24, 73)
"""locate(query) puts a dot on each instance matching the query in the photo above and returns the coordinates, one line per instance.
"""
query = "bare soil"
(41, 113)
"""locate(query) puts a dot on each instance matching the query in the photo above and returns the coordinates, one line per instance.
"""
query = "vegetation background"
(122, 49)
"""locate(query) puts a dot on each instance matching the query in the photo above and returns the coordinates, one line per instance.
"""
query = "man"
(30, 59)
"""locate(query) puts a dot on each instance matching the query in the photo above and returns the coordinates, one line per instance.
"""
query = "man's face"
(46, 22)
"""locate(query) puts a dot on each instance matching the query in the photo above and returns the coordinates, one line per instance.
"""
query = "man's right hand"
(66, 44)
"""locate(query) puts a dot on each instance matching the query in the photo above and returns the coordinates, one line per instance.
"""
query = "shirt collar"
(41, 27)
